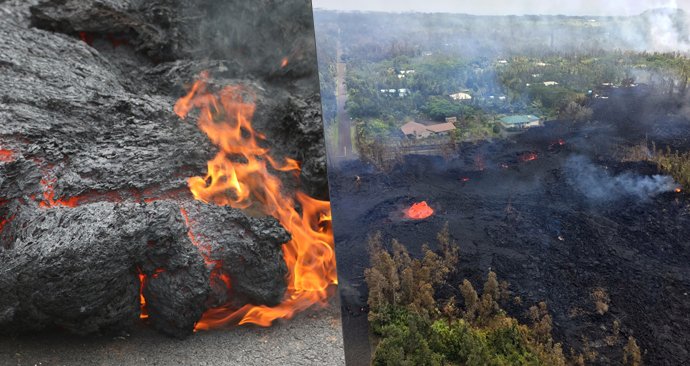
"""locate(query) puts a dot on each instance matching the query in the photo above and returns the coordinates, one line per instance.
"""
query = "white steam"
(598, 184)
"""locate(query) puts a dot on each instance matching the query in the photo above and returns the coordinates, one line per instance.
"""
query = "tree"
(471, 300)
(577, 112)
(631, 353)
(601, 300)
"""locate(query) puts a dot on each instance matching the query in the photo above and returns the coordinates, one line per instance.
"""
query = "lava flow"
(6, 155)
(49, 199)
(529, 156)
(419, 210)
(241, 176)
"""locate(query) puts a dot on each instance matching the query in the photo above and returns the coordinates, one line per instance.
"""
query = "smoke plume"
(596, 183)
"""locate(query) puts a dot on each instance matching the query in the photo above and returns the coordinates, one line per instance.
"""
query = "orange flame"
(143, 313)
(241, 176)
(284, 62)
(678, 190)
(419, 210)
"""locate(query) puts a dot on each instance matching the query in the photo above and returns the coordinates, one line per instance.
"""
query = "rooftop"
(441, 127)
(416, 128)
(413, 128)
(517, 119)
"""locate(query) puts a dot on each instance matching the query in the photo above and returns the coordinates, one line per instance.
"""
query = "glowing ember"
(419, 210)
(556, 144)
(225, 117)
(49, 199)
(6, 156)
(284, 62)
(530, 156)
(143, 313)
(86, 37)
(5, 221)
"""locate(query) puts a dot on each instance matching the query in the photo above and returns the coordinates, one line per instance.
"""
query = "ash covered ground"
(93, 158)
(555, 212)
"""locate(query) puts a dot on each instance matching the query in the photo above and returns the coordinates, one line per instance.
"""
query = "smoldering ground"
(599, 185)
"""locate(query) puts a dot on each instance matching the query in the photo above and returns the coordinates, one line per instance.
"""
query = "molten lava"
(49, 199)
(6, 156)
(419, 210)
(143, 313)
(242, 175)
(529, 156)
(87, 38)
(5, 221)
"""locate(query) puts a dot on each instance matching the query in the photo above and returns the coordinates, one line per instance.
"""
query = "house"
(416, 130)
(403, 73)
(520, 122)
(460, 96)
(441, 128)
(402, 92)
(550, 83)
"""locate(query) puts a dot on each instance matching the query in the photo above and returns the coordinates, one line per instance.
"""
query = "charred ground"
(535, 224)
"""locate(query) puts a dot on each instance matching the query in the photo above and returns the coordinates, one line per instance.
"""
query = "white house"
(550, 83)
(460, 96)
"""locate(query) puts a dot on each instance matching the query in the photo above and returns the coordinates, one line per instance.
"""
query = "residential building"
(416, 130)
(520, 122)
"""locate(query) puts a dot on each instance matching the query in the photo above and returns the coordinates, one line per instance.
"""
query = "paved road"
(344, 149)
(311, 338)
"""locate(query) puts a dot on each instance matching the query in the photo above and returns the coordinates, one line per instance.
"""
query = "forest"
(413, 325)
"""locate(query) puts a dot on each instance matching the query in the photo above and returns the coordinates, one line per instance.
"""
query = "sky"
(506, 7)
